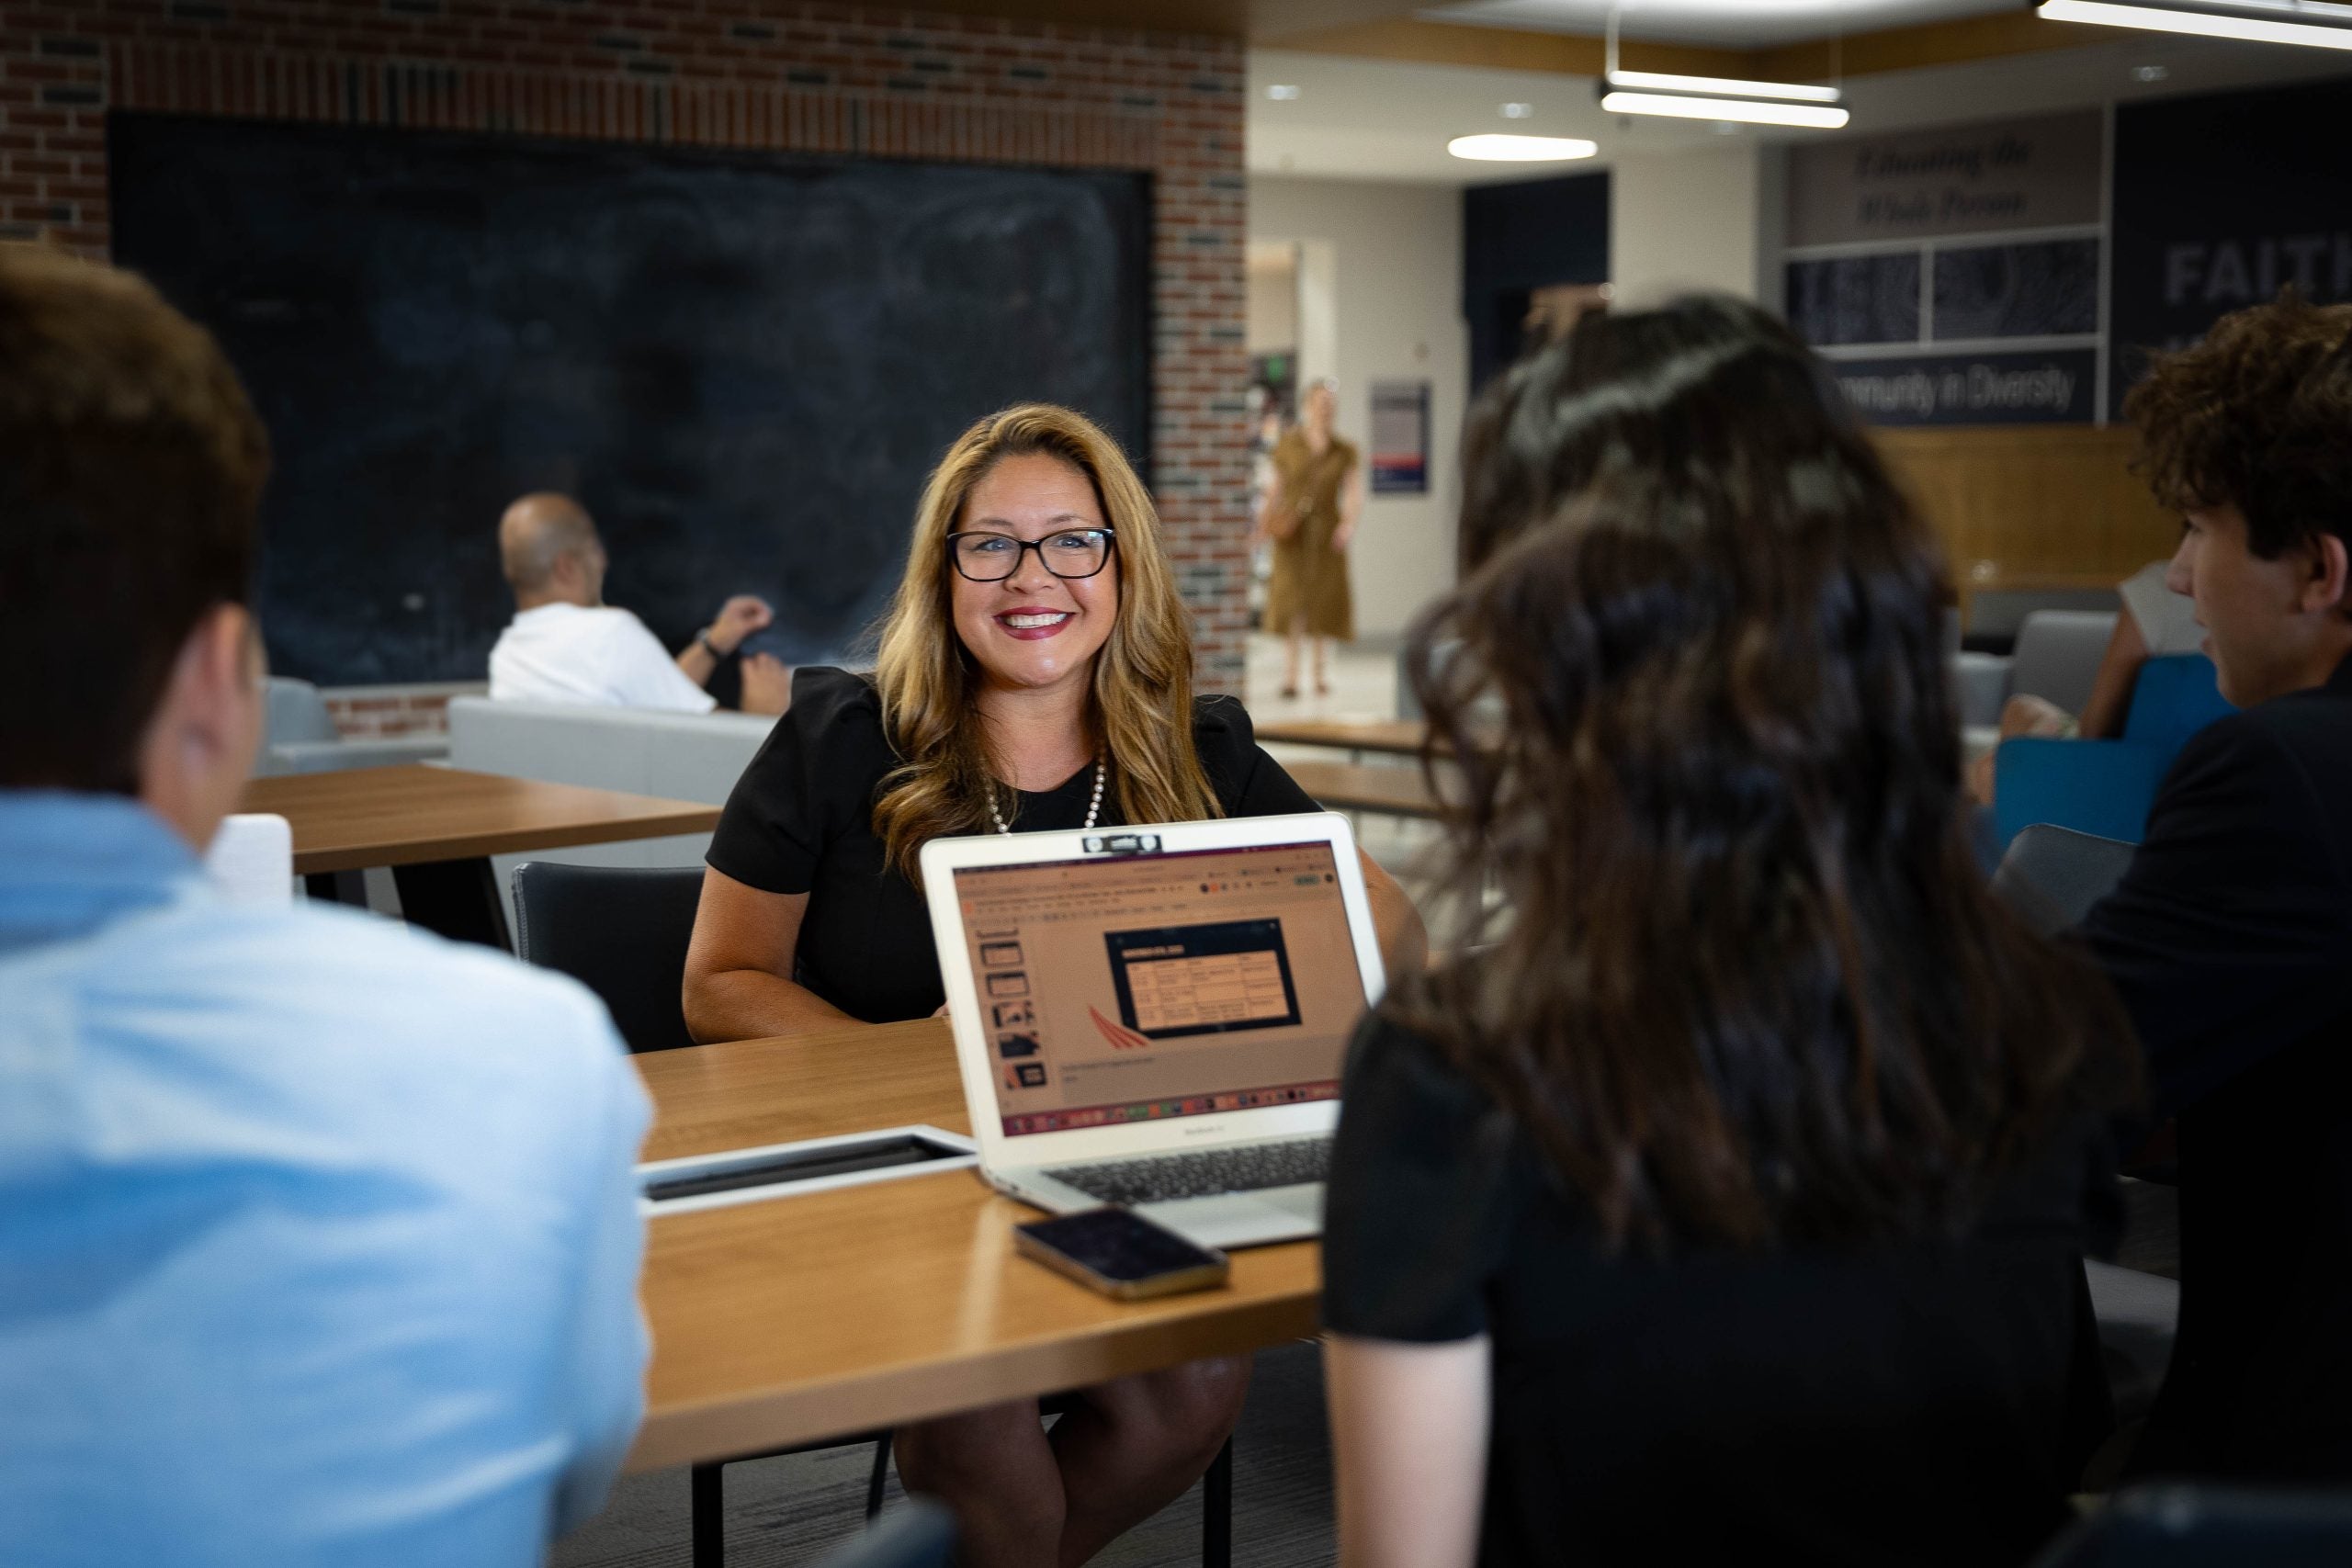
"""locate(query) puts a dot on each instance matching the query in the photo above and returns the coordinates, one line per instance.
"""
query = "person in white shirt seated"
(566, 645)
(319, 1237)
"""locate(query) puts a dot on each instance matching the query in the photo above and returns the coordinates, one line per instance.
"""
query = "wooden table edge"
(470, 846)
(1326, 740)
(847, 1407)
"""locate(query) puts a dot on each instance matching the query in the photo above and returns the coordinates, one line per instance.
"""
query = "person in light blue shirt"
(318, 1238)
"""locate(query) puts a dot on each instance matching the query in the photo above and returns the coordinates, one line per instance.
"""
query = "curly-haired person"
(2229, 938)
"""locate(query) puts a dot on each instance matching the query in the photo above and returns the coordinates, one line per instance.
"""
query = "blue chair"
(2105, 787)
(2173, 699)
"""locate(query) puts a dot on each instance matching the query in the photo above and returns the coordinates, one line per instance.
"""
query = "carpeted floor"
(789, 1510)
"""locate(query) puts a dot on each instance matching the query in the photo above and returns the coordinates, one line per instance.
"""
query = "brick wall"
(382, 713)
(715, 73)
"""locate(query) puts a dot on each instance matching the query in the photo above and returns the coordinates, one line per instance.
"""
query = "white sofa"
(676, 756)
(302, 737)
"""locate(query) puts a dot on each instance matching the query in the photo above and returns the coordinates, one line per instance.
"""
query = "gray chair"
(2139, 1316)
(2058, 653)
(2056, 657)
(2053, 876)
(2178, 1525)
(302, 737)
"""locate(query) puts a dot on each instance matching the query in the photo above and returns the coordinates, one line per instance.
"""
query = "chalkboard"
(745, 364)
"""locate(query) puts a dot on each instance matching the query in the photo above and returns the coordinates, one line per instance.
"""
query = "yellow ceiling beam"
(1930, 43)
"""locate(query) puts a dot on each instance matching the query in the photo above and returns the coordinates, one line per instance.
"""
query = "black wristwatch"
(703, 637)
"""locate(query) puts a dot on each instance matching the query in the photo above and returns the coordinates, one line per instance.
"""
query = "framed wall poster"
(1952, 275)
(1400, 437)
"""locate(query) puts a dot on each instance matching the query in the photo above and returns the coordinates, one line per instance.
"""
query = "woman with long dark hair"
(1724, 1198)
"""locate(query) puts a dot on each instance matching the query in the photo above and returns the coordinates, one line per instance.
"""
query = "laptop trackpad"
(1244, 1219)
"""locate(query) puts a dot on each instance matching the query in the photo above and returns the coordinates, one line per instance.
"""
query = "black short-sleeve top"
(1925, 1402)
(801, 820)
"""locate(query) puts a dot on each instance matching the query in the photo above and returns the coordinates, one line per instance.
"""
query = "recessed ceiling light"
(2319, 23)
(1518, 111)
(2149, 73)
(1281, 92)
(1494, 147)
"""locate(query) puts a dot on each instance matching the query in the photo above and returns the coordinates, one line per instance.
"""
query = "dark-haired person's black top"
(1922, 1402)
(801, 820)
(2229, 940)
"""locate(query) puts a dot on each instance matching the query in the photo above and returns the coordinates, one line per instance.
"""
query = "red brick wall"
(720, 73)
(386, 712)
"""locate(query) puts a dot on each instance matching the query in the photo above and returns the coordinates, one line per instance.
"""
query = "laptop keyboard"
(1249, 1169)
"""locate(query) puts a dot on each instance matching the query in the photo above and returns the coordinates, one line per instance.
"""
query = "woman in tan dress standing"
(1310, 514)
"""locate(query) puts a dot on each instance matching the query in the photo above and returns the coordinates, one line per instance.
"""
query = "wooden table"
(1392, 736)
(1360, 786)
(437, 827)
(797, 1319)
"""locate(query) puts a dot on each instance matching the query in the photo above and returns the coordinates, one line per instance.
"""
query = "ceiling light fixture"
(1746, 112)
(1281, 92)
(1495, 147)
(1660, 81)
(2316, 23)
(1717, 99)
(1518, 111)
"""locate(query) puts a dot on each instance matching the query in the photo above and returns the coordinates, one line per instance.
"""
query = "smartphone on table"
(1120, 1254)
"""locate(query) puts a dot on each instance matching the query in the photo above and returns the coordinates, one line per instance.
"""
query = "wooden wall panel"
(2023, 508)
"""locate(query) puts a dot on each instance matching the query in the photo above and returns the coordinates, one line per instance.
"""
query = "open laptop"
(1156, 1016)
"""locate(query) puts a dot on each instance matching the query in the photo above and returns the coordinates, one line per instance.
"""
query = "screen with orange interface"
(1129, 989)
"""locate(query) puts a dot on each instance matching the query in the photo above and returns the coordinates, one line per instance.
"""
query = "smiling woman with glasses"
(1035, 673)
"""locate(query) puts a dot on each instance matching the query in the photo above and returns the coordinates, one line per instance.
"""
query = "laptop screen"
(1127, 989)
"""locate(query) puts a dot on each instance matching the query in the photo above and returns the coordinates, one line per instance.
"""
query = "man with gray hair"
(566, 645)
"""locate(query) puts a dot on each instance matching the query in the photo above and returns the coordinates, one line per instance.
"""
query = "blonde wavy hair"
(1140, 707)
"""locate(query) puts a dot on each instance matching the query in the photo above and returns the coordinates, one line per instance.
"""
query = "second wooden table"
(438, 827)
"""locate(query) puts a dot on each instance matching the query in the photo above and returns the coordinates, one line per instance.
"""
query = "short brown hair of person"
(2258, 416)
(131, 467)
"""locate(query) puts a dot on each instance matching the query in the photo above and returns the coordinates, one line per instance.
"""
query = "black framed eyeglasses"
(982, 554)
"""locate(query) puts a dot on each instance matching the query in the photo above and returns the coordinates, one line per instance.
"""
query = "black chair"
(920, 1535)
(621, 931)
(2053, 876)
(2174, 1524)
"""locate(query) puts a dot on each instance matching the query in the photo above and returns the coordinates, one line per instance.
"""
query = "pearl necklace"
(1093, 810)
